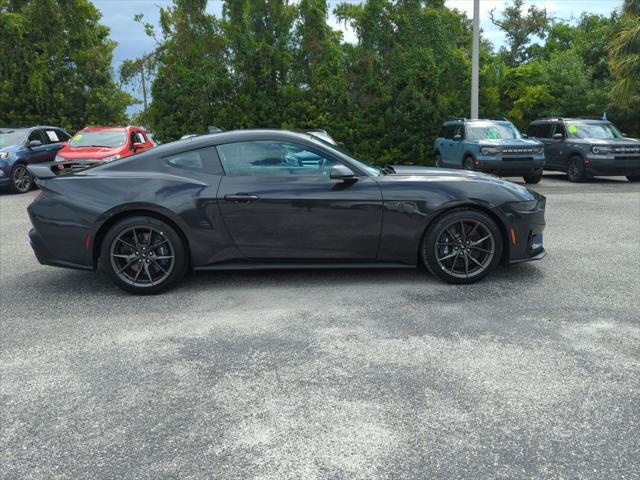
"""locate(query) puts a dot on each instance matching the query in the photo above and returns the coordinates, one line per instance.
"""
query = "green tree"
(519, 29)
(56, 65)
(625, 56)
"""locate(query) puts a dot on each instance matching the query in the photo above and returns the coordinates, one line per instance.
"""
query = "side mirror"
(457, 138)
(34, 143)
(524, 135)
(138, 146)
(342, 172)
(558, 136)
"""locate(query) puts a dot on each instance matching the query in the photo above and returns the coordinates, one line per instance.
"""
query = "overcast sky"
(132, 42)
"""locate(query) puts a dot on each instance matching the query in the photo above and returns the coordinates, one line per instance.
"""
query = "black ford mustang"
(276, 199)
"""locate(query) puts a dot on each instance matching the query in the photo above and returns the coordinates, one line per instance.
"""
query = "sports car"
(267, 199)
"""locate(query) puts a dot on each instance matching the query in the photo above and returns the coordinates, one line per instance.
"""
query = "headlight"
(110, 159)
(601, 149)
(4, 155)
(489, 150)
(539, 149)
(59, 159)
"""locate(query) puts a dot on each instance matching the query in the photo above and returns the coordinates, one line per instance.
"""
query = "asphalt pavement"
(389, 374)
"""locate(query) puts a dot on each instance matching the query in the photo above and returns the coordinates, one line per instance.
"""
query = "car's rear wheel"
(437, 160)
(575, 170)
(633, 178)
(21, 179)
(143, 255)
(463, 246)
(533, 177)
(469, 164)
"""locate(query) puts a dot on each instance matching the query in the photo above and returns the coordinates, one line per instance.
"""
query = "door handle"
(241, 198)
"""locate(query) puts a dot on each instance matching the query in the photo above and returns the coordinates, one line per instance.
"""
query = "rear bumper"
(46, 257)
(613, 165)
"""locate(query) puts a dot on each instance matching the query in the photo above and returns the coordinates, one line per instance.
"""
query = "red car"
(102, 144)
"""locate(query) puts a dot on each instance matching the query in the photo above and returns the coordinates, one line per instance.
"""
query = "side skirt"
(300, 265)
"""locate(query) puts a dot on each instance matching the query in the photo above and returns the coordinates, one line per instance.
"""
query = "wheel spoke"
(156, 245)
(163, 257)
(473, 247)
(478, 242)
(473, 230)
(119, 239)
(453, 254)
(481, 265)
(464, 235)
(146, 269)
(135, 279)
(159, 266)
(127, 265)
(466, 265)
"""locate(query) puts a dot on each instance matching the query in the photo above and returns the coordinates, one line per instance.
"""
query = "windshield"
(98, 138)
(600, 131)
(11, 137)
(491, 131)
(363, 165)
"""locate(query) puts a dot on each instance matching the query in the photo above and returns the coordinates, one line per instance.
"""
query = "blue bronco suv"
(492, 146)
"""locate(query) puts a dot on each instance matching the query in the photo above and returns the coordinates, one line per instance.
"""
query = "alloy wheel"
(22, 179)
(465, 248)
(468, 164)
(142, 256)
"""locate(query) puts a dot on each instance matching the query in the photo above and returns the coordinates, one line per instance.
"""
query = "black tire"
(21, 179)
(633, 178)
(533, 177)
(129, 258)
(469, 164)
(575, 170)
(444, 238)
(437, 160)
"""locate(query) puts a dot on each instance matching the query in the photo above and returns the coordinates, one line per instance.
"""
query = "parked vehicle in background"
(255, 199)
(101, 144)
(584, 148)
(20, 147)
(490, 146)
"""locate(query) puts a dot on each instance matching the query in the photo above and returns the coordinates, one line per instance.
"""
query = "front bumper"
(525, 232)
(612, 165)
(510, 166)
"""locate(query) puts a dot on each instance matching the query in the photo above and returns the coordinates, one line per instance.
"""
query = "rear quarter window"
(202, 160)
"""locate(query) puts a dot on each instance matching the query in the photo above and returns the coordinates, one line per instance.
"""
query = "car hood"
(434, 173)
(607, 141)
(516, 142)
(69, 153)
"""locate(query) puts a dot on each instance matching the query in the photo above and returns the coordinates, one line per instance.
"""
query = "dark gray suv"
(584, 148)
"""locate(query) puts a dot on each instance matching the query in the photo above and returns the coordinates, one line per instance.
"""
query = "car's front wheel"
(143, 255)
(21, 179)
(469, 164)
(575, 170)
(633, 178)
(463, 246)
(533, 177)
(437, 160)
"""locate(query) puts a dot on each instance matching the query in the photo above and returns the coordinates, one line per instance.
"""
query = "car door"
(278, 203)
(456, 146)
(558, 147)
(542, 132)
(40, 153)
(447, 145)
(55, 141)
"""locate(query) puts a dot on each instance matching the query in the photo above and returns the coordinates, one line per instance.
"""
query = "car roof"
(564, 119)
(476, 120)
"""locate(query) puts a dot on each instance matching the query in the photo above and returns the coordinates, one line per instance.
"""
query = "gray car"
(584, 148)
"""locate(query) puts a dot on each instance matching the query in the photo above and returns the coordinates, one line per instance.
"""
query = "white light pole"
(475, 59)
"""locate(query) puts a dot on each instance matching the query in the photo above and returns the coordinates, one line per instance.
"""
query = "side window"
(559, 128)
(36, 135)
(458, 130)
(203, 160)
(532, 131)
(272, 158)
(62, 135)
(543, 130)
(443, 132)
(140, 137)
(52, 135)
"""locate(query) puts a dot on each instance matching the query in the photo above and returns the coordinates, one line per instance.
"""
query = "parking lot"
(389, 374)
